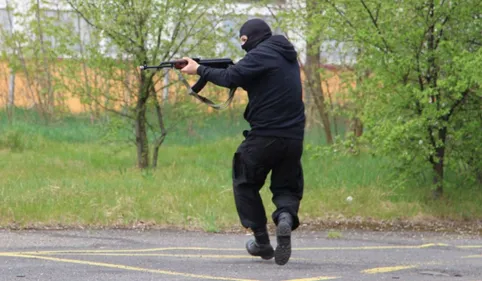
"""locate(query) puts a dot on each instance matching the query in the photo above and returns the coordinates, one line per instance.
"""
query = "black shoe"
(283, 237)
(265, 251)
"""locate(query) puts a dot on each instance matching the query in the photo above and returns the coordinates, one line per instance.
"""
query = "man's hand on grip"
(191, 67)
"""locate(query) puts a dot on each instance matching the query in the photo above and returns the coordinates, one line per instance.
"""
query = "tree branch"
(375, 23)
(342, 14)
(160, 31)
(465, 94)
(440, 33)
(112, 34)
(188, 34)
(473, 41)
(113, 110)
(278, 22)
(378, 10)
(174, 35)
(158, 142)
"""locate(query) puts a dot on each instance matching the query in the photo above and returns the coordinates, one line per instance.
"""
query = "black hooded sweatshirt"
(271, 76)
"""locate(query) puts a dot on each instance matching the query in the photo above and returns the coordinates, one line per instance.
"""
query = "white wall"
(23, 5)
(4, 21)
(242, 9)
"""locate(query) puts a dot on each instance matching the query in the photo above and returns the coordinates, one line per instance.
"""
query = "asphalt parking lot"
(173, 255)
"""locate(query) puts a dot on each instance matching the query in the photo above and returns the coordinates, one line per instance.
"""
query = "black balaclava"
(257, 30)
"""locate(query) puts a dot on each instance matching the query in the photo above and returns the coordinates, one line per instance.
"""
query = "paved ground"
(165, 255)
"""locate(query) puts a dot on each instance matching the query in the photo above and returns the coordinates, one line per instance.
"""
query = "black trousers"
(254, 159)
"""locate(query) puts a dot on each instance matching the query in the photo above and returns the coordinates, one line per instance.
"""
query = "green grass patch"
(75, 178)
(332, 234)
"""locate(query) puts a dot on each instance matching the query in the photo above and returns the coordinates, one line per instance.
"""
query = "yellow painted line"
(387, 269)
(370, 247)
(472, 257)
(211, 249)
(319, 278)
(434, 245)
(385, 247)
(133, 268)
(470, 247)
(164, 255)
(130, 250)
(171, 255)
(360, 248)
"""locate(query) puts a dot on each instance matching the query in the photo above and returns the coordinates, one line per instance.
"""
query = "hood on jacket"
(280, 44)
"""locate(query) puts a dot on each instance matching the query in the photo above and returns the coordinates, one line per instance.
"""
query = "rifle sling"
(194, 90)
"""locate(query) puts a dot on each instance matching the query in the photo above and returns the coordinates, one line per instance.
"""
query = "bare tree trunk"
(141, 124)
(355, 123)
(432, 77)
(313, 77)
(48, 83)
(11, 96)
(18, 51)
(84, 66)
(332, 106)
(94, 105)
(11, 80)
(438, 165)
(478, 173)
(126, 88)
(11, 90)
(314, 80)
(357, 127)
(165, 93)
(158, 142)
(107, 97)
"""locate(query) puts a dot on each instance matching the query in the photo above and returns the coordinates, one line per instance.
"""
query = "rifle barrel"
(178, 64)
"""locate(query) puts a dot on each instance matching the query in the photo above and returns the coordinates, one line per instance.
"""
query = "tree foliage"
(34, 50)
(421, 97)
(147, 31)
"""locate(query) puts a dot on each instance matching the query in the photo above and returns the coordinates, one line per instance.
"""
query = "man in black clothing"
(270, 74)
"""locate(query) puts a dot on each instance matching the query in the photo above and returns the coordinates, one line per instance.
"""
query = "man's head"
(253, 32)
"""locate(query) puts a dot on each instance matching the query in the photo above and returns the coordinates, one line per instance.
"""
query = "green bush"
(13, 140)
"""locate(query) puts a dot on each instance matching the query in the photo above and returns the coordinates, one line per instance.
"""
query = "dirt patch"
(321, 224)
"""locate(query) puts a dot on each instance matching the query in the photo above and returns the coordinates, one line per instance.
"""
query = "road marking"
(472, 257)
(434, 245)
(387, 247)
(128, 250)
(470, 247)
(170, 255)
(384, 247)
(126, 267)
(319, 278)
(165, 255)
(387, 269)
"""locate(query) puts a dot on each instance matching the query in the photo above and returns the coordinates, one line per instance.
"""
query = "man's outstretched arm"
(237, 75)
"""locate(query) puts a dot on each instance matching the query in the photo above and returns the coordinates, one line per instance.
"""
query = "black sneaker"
(283, 237)
(265, 251)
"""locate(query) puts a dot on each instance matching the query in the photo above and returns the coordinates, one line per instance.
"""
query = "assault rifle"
(199, 85)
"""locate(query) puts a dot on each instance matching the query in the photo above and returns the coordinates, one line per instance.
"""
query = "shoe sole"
(282, 253)
(265, 257)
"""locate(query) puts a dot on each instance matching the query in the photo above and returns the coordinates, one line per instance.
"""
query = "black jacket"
(271, 76)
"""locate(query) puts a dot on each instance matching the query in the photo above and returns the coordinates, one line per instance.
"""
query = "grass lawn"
(69, 174)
